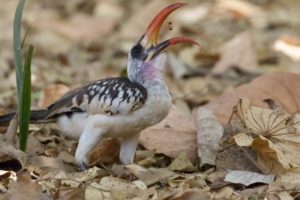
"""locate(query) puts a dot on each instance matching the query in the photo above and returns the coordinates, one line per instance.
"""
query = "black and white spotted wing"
(108, 96)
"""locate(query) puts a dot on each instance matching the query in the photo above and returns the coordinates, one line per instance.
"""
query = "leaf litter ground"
(180, 158)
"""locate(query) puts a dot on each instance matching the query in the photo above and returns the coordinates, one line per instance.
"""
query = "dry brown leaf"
(151, 175)
(209, 134)
(66, 157)
(254, 192)
(245, 59)
(107, 151)
(5, 178)
(44, 163)
(174, 135)
(288, 181)
(276, 136)
(92, 192)
(234, 157)
(9, 154)
(282, 87)
(12, 130)
(290, 178)
(120, 189)
(182, 163)
(224, 193)
(25, 188)
(192, 194)
(243, 139)
(51, 93)
(289, 46)
(51, 181)
(71, 194)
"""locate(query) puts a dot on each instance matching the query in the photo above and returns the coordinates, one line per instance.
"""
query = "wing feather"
(108, 96)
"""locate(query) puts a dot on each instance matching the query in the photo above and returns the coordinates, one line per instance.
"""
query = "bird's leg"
(90, 136)
(128, 148)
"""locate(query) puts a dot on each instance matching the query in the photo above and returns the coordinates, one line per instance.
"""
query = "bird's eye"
(137, 51)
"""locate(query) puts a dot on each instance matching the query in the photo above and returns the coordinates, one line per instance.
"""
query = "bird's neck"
(149, 73)
(147, 78)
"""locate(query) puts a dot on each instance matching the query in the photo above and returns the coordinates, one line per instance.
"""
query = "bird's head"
(145, 58)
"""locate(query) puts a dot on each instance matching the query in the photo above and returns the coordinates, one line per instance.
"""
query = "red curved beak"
(152, 32)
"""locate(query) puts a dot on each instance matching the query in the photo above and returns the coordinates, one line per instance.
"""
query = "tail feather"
(36, 116)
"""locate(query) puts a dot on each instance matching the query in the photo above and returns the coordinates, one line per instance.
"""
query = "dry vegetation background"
(248, 49)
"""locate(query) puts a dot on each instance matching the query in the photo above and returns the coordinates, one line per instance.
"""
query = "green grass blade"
(17, 47)
(26, 100)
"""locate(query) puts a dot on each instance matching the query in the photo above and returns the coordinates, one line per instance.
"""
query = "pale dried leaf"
(151, 175)
(192, 194)
(67, 157)
(284, 195)
(44, 162)
(95, 172)
(5, 178)
(34, 147)
(120, 189)
(246, 59)
(290, 177)
(174, 135)
(193, 180)
(93, 193)
(224, 193)
(289, 180)
(71, 194)
(51, 181)
(9, 152)
(288, 46)
(277, 137)
(209, 134)
(25, 188)
(247, 178)
(182, 163)
(12, 130)
(243, 140)
(70, 183)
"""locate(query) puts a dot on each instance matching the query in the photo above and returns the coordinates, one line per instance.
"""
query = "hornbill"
(117, 107)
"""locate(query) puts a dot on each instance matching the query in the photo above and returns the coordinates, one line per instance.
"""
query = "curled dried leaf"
(275, 136)
(243, 139)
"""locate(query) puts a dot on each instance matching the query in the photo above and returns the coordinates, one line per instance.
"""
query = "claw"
(83, 166)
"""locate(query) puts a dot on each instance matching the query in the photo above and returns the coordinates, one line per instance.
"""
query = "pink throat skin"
(151, 72)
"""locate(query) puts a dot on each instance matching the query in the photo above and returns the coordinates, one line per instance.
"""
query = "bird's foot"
(82, 160)
(83, 166)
